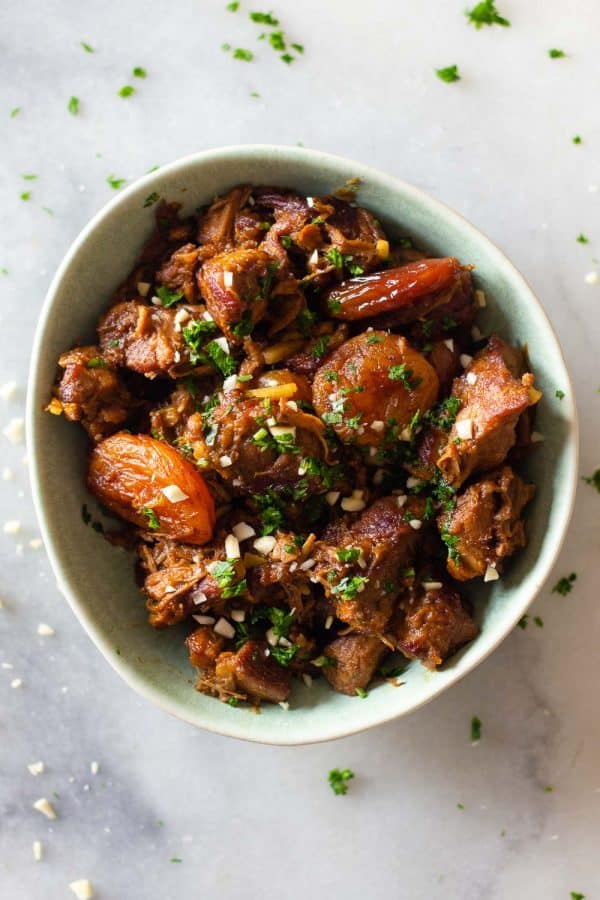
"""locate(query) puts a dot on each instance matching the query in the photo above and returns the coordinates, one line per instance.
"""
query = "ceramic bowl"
(98, 581)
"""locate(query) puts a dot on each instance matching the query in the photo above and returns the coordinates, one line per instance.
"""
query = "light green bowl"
(98, 580)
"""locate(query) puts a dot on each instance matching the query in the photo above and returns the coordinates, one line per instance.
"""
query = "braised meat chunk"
(352, 662)
(91, 392)
(297, 421)
(486, 525)
(434, 626)
(492, 398)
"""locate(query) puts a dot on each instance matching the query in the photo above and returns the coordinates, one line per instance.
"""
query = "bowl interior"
(98, 580)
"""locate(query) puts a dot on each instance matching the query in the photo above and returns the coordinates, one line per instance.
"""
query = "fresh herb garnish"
(167, 297)
(338, 780)
(339, 260)
(443, 414)
(244, 55)
(375, 339)
(28, 177)
(577, 139)
(87, 47)
(264, 18)
(564, 585)
(475, 729)
(349, 587)
(153, 520)
(271, 511)
(348, 554)
(194, 334)
(15, 112)
(319, 348)
(115, 182)
(225, 575)
(582, 239)
(73, 105)
(233, 7)
(285, 241)
(151, 199)
(558, 393)
(451, 541)
(360, 692)
(593, 479)
(221, 360)
(404, 374)
(448, 74)
(485, 13)
(538, 621)
(556, 54)
(26, 195)
(523, 622)
(126, 91)
(96, 362)
(284, 655)
(139, 72)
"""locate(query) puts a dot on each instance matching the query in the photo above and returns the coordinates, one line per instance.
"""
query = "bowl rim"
(248, 153)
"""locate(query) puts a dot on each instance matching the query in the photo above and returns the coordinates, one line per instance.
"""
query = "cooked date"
(149, 483)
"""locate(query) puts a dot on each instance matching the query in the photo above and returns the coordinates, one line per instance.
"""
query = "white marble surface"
(250, 821)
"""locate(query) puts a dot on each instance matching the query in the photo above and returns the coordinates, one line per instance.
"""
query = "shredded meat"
(487, 523)
(141, 337)
(355, 658)
(491, 406)
(91, 392)
(434, 626)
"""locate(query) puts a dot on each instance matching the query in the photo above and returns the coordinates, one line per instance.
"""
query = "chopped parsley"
(349, 587)
(404, 374)
(538, 621)
(15, 112)
(348, 554)
(283, 443)
(271, 511)
(277, 40)
(233, 701)
(334, 306)
(306, 319)
(558, 393)
(339, 260)
(523, 622)
(338, 780)
(392, 669)
(449, 74)
(360, 692)
(575, 895)
(151, 199)
(582, 239)
(233, 7)
(73, 105)
(96, 362)
(564, 585)
(139, 72)
(548, 789)
(224, 362)
(29, 177)
(577, 139)
(553, 53)
(115, 182)
(443, 414)
(194, 334)
(319, 348)
(593, 479)
(451, 541)
(87, 520)
(475, 729)
(244, 327)
(485, 13)
(167, 297)
(285, 240)
(26, 195)
(299, 48)
(126, 91)
(87, 47)
(284, 655)
(244, 55)
(287, 58)
(225, 575)
(261, 18)
(460, 806)
(175, 859)
(153, 520)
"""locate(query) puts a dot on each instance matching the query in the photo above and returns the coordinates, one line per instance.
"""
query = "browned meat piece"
(141, 337)
(255, 447)
(204, 645)
(434, 626)
(373, 380)
(236, 288)
(486, 523)
(90, 392)
(178, 273)
(216, 228)
(258, 675)
(357, 235)
(492, 399)
(365, 591)
(445, 359)
(290, 211)
(356, 657)
(316, 350)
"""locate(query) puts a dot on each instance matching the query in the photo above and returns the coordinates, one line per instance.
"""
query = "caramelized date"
(372, 380)
(134, 476)
(383, 292)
